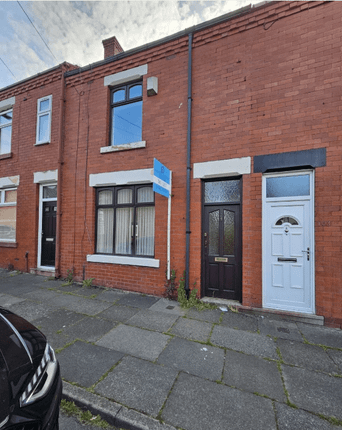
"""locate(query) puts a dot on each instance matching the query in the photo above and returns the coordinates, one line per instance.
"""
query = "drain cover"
(283, 330)
(170, 307)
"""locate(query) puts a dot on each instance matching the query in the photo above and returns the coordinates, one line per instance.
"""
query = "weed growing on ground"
(87, 282)
(69, 279)
(69, 408)
(192, 301)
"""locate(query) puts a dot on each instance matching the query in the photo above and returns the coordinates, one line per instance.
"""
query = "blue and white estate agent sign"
(161, 179)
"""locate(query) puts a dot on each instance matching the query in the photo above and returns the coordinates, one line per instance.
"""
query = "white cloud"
(74, 30)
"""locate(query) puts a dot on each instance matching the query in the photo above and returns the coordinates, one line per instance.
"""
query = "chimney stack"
(111, 47)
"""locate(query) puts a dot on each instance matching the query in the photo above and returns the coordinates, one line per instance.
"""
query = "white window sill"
(8, 243)
(123, 147)
(128, 261)
(5, 155)
(41, 143)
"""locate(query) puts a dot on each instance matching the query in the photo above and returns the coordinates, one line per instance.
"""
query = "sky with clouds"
(74, 30)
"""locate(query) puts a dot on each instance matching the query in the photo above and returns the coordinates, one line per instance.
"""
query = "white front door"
(288, 243)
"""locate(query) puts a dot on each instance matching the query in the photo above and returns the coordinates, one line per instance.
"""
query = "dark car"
(30, 381)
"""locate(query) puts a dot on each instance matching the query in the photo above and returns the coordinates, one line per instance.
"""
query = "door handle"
(307, 253)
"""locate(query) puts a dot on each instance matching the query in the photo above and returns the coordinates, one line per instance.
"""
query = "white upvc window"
(8, 214)
(5, 131)
(44, 108)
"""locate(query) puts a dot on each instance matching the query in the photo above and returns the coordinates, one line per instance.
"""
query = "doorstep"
(275, 314)
(42, 271)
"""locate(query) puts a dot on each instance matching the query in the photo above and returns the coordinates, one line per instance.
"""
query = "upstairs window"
(5, 131)
(126, 114)
(8, 215)
(125, 221)
(44, 120)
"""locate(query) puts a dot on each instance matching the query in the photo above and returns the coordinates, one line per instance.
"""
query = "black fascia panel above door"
(289, 160)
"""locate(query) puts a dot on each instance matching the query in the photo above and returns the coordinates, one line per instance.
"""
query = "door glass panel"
(214, 220)
(228, 233)
(222, 191)
(50, 192)
(287, 219)
(288, 186)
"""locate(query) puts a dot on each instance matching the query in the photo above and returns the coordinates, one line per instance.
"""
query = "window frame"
(124, 86)
(3, 204)
(3, 126)
(41, 113)
(114, 205)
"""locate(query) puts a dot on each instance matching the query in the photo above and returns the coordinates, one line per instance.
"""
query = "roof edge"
(59, 66)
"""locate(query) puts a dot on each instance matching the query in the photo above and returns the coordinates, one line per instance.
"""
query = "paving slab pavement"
(135, 341)
(78, 362)
(138, 384)
(142, 362)
(194, 358)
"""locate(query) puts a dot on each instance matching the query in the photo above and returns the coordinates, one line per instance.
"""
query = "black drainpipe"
(188, 169)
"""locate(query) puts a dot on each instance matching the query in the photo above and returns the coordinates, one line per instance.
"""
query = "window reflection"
(135, 91)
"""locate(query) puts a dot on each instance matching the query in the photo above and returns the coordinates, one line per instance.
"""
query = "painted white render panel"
(7, 104)
(130, 261)
(9, 181)
(213, 169)
(125, 76)
(48, 176)
(121, 178)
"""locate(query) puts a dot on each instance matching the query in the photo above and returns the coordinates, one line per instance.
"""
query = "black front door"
(222, 252)
(49, 233)
(222, 241)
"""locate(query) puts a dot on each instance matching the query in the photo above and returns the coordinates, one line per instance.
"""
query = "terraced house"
(245, 110)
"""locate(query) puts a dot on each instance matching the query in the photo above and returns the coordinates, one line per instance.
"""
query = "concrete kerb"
(112, 412)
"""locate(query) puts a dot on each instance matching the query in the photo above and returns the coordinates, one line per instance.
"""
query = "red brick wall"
(276, 88)
(27, 159)
(265, 82)
(86, 131)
